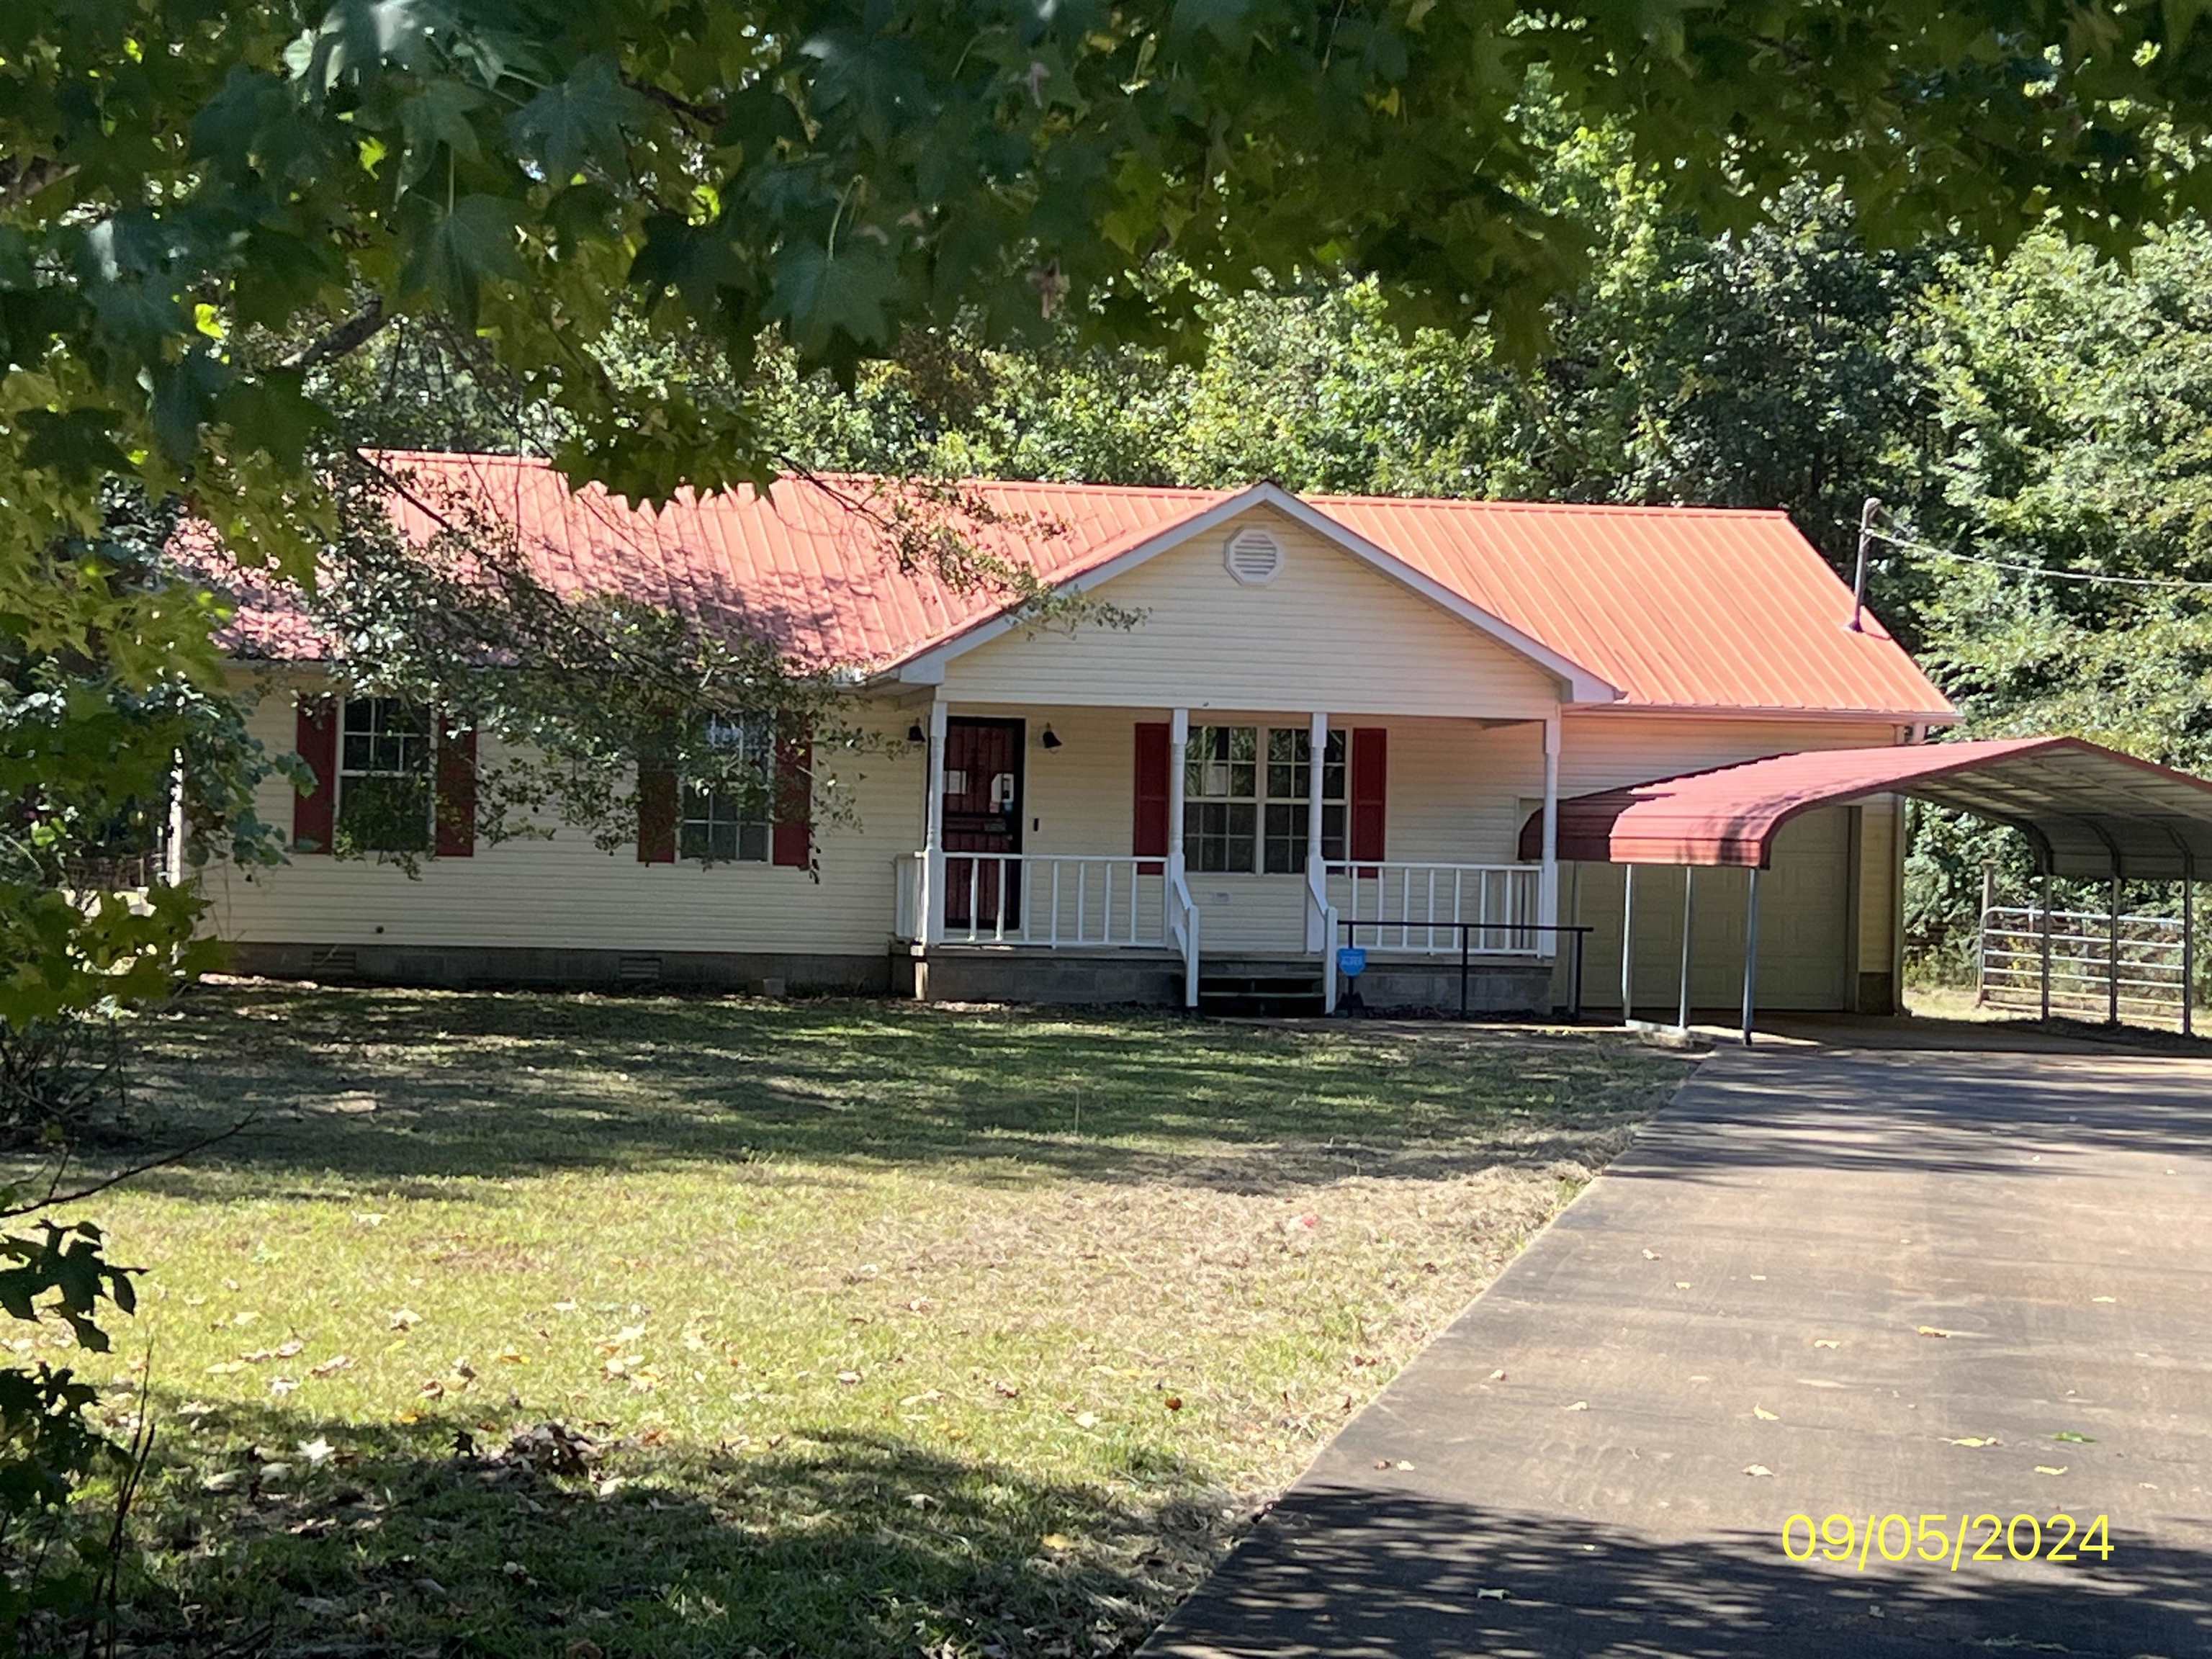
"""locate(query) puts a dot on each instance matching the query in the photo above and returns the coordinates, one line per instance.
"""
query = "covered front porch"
(1179, 856)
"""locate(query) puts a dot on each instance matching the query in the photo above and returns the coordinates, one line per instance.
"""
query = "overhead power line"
(2088, 577)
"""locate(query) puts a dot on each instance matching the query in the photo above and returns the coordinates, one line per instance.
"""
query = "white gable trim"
(1582, 686)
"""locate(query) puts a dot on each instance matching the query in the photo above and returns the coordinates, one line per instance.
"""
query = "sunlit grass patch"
(865, 1328)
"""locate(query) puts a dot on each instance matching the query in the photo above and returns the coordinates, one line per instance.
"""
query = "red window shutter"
(1149, 837)
(792, 839)
(314, 816)
(1370, 789)
(656, 817)
(457, 795)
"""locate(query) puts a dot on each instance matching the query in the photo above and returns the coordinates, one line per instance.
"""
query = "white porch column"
(1178, 751)
(932, 842)
(1317, 793)
(1547, 892)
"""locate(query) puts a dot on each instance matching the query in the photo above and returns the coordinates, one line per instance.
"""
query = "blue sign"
(1351, 962)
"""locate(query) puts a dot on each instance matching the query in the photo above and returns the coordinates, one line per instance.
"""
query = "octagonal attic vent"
(1254, 556)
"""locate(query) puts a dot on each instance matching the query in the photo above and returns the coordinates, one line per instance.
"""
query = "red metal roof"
(1679, 607)
(2090, 811)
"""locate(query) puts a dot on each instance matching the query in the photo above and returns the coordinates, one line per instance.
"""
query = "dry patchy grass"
(889, 1331)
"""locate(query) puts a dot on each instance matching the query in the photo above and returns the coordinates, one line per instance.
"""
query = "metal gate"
(2144, 979)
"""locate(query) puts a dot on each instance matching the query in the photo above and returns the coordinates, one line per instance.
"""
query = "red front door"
(983, 814)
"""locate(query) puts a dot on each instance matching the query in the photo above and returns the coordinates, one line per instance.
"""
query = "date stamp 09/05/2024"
(1954, 1541)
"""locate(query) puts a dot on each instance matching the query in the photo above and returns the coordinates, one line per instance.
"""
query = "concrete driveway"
(1822, 1283)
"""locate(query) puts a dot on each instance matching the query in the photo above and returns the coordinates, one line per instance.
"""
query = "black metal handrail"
(1465, 929)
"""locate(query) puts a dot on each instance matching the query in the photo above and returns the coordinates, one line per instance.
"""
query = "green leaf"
(76, 445)
(695, 260)
(822, 295)
(474, 241)
(434, 117)
(272, 415)
(578, 124)
(183, 392)
(355, 38)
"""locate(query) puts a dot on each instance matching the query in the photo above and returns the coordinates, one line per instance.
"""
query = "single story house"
(1335, 721)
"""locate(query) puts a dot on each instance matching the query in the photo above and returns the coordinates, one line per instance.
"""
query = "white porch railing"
(1416, 910)
(1183, 928)
(1061, 900)
(1321, 933)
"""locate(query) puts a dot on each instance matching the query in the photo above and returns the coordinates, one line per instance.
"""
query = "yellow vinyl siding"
(1330, 631)
(564, 892)
(1609, 750)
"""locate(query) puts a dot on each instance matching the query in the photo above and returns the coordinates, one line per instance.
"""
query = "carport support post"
(2043, 901)
(1682, 1011)
(1627, 948)
(1750, 949)
(2113, 960)
(2188, 944)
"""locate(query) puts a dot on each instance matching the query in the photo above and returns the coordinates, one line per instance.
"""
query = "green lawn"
(886, 1330)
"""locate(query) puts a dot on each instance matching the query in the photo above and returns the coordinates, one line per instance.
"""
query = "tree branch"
(708, 115)
(354, 333)
(52, 1201)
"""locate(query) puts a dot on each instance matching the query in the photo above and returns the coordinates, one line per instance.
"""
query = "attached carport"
(2087, 812)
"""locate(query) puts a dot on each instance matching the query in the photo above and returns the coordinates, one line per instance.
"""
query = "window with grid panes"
(383, 775)
(719, 823)
(1221, 798)
(1289, 802)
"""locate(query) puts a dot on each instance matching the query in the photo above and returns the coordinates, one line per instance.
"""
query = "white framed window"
(727, 823)
(1247, 798)
(1221, 798)
(384, 781)
(1289, 804)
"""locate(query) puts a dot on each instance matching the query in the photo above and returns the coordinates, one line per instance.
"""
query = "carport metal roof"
(2088, 810)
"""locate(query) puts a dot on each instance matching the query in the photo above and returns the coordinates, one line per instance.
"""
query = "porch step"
(1266, 991)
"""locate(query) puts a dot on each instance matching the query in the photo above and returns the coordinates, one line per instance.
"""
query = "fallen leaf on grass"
(2073, 1439)
(1579, 1406)
(1764, 1415)
(1931, 1330)
(2045, 1468)
(317, 1450)
(1976, 1441)
(1086, 1420)
(1057, 1541)
(1681, 1284)
(1826, 1342)
(332, 1366)
(1760, 1470)
(405, 1319)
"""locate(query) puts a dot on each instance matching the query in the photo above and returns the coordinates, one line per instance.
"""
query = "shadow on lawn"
(831, 1544)
(1359, 1574)
(393, 1084)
